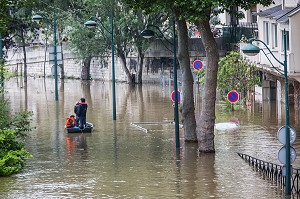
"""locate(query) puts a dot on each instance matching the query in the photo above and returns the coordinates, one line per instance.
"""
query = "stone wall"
(158, 63)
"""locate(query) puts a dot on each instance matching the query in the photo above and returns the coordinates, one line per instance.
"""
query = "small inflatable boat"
(87, 129)
(224, 126)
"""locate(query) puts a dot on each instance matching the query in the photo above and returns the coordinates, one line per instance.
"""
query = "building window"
(266, 32)
(253, 11)
(254, 17)
(287, 40)
(274, 36)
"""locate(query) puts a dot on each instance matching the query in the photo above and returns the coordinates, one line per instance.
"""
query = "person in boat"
(70, 121)
(76, 109)
(82, 109)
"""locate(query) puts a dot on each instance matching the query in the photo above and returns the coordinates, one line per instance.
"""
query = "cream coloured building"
(272, 21)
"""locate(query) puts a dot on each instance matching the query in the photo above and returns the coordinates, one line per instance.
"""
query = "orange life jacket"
(70, 122)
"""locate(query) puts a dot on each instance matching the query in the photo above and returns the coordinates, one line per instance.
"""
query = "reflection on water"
(120, 161)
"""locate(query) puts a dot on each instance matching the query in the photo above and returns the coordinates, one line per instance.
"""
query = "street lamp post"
(252, 50)
(92, 24)
(147, 33)
(38, 18)
(55, 55)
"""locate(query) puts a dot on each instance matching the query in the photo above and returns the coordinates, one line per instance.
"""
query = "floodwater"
(118, 160)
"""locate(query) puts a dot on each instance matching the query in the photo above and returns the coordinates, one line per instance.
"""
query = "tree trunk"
(205, 128)
(24, 55)
(140, 66)
(85, 71)
(62, 72)
(124, 65)
(188, 107)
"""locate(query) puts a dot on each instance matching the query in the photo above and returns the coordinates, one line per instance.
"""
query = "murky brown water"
(118, 160)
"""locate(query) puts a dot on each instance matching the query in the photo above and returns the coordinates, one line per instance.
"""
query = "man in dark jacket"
(76, 109)
(82, 109)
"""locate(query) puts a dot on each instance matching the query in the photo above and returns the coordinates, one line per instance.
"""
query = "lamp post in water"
(147, 33)
(38, 18)
(252, 50)
(92, 24)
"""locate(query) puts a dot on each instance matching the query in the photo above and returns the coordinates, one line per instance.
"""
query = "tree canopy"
(235, 73)
(199, 13)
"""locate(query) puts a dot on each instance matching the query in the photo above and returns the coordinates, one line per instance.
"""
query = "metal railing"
(274, 172)
(232, 34)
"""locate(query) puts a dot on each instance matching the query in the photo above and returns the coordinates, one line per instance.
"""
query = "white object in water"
(223, 126)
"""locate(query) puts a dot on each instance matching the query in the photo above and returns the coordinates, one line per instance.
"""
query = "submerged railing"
(274, 172)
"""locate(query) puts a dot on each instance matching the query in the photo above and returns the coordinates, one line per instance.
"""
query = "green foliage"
(200, 75)
(86, 42)
(21, 123)
(2, 75)
(83, 41)
(4, 114)
(96, 42)
(12, 153)
(235, 73)
(227, 106)
(194, 10)
(15, 21)
(5, 17)
(12, 128)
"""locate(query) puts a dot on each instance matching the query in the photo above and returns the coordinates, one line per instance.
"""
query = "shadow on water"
(117, 160)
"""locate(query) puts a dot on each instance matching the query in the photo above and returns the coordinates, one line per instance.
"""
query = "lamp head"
(90, 24)
(37, 18)
(147, 33)
(251, 50)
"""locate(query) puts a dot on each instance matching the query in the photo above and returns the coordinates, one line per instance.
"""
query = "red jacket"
(70, 122)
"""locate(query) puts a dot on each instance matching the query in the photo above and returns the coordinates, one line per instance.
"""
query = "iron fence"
(274, 172)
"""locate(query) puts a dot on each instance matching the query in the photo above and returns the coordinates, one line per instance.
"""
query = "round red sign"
(173, 96)
(233, 96)
(197, 64)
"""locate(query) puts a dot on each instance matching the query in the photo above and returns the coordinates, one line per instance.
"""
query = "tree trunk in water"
(24, 55)
(205, 128)
(62, 72)
(124, 65)
(140, 65)
(188, 107)
(85, 71)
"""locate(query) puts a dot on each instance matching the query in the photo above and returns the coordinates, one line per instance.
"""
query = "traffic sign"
(58, 55)
(53, 70)
(197, 64)
(173, 96)
(233, 96)
(281, 134)
(282, 156)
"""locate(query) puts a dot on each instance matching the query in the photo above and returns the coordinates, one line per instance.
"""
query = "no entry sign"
(173, 96)
(233, 96)
(197, 64)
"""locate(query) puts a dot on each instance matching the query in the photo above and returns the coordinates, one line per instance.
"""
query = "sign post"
(52, 54)
(282, 153)
(173, 96)
(232, 97)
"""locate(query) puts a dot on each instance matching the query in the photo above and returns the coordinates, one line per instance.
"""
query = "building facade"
(273, 21)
